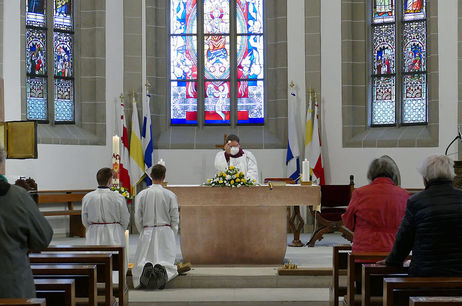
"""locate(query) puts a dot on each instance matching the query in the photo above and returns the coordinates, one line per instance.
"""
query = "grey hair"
(437, 167)
(383, 167)
(2, 154)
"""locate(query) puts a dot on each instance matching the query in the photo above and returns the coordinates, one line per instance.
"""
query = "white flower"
(228, 177)
(234, 176)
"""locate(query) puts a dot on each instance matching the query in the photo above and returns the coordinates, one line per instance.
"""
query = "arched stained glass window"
(399, 62)
(216, 61)
(40, 81)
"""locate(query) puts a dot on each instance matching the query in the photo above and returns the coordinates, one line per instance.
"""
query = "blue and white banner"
(146, 139)
(293, 152)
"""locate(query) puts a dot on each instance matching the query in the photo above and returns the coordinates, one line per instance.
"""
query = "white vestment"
(157, 218)
(105, 216)
(246, 163)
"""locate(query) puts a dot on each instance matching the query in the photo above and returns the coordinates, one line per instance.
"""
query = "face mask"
(234, 150)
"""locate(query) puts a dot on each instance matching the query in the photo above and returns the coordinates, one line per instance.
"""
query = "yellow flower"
(122, 189)
(124, 194)
(220, 181)
(237, 174)
(209, 180)
(232, 182)
(220, 174)
(254, 180)
(237, 180)
(231, 167)
(243, 180)
(241, 173)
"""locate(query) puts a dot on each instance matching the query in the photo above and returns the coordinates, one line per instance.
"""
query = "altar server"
(22, 228)
(234, 155)
(157, 218)
(104, 213)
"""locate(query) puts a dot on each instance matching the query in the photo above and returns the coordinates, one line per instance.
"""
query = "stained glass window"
(37, 55)
(221, 74)
(399, 87)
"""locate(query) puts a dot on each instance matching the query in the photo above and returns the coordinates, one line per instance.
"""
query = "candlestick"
(305, 170)
(127, 240)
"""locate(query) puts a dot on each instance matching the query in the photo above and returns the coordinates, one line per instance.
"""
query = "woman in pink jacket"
(375, 210)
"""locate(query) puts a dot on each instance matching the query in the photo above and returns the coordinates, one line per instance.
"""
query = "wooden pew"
(68, 198)
(397, 290)
(354, 271)
(435, 300)
(103, 264)
(22, 302)
(118, 263)
(339, 268)
(66, 285)
(372, 280)
(78, 272)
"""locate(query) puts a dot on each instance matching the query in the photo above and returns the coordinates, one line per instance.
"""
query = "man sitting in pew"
(157, 218)
(22, 228)
(432, 225)
(104, 213)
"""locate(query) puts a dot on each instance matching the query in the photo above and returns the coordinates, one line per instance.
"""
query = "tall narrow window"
(399, 76)
(216, 55)
(60, 81)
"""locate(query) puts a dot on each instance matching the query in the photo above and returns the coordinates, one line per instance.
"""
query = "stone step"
(248, 277)
(231, 297)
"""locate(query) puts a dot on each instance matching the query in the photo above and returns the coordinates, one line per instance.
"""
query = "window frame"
(400, 73)
(201, 80)
(50, 76)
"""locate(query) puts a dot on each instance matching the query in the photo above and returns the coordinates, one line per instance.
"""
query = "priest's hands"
(227, 147)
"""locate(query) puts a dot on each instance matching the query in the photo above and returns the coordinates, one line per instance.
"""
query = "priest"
(234, 155)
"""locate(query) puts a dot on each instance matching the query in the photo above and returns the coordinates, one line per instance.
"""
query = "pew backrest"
(66, 285)
(339, 267)
(435, 300)
(22, 302)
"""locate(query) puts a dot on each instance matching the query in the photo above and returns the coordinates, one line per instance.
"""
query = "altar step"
(231, 297)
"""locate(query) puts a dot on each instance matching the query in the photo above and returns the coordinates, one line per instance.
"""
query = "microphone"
(459, 136)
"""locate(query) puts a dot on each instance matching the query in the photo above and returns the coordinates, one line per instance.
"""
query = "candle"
(115, 145)
(115, 159)
(127, 240)
(305, 170)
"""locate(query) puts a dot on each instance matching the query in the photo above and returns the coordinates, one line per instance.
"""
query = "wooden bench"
(355, 261)
(68, 198)
(83, 275)
(372, 281)
(23, 302)
(103, 264)
(118, 263)
(339, 268)
(65, 285)
(435, 300)
(398, 290)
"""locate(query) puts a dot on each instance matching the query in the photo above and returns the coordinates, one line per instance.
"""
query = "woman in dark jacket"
(432, 224)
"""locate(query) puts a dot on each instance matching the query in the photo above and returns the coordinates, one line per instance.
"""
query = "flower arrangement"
(123, 191)
(231, 177)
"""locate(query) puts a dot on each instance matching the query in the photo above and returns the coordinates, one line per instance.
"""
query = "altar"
(246, 225)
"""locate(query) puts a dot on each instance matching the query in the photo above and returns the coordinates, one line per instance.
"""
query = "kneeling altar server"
(157, 218)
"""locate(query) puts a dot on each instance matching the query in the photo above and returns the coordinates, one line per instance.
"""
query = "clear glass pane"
(183, 102)
(249, 16)
(384, 11)
(383, 100)
(415, 99)
(250, 102)
(250, 57)
(63, 54)
(64, 100)
(183, 17)
(414, 9)
(36, 59)
(216, 16)
(414, 46)
(384, 49)
(36, 98)
(216, 56)
(183, 56)
(36, 13)
(217, 104)
(63, 15)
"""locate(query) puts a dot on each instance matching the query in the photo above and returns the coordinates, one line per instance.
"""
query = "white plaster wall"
(63, 166)
(339, 161)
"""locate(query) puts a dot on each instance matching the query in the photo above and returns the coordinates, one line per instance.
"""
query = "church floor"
(242, 285)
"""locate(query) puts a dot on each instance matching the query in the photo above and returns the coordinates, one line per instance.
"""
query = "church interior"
(378, 77)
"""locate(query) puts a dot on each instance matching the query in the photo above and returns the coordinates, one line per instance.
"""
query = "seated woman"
(376, 210)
